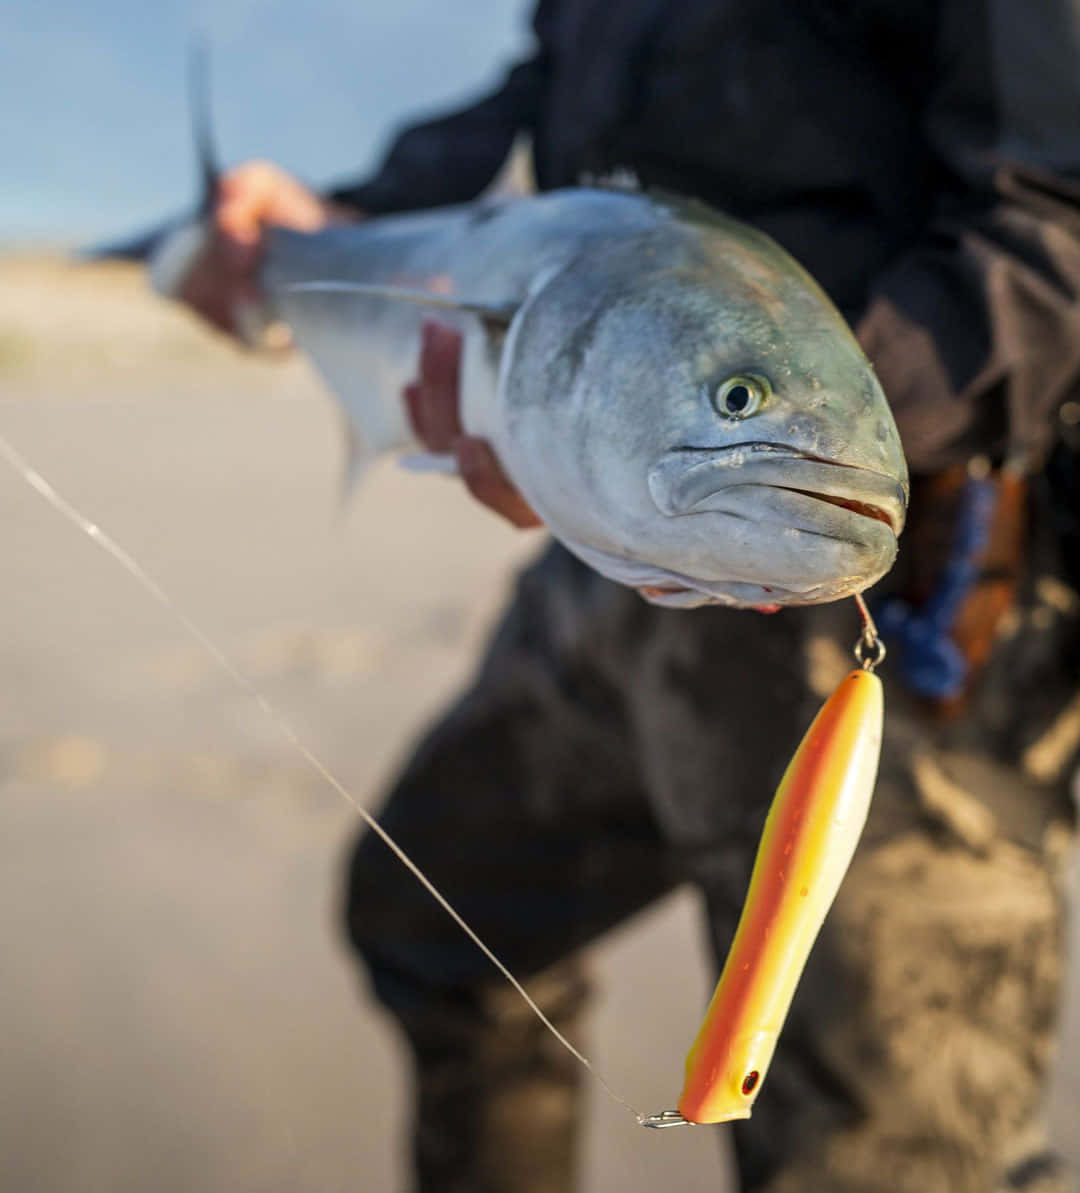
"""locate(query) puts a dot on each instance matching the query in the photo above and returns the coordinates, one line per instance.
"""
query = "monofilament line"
(150, 585)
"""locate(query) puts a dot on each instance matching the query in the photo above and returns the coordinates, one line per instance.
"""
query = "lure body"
(813, 826)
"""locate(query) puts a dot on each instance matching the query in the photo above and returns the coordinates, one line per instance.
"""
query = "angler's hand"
(250, 198)
(433, 404)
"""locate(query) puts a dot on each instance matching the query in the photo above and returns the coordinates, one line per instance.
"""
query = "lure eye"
(740, 396)
(750, 1082)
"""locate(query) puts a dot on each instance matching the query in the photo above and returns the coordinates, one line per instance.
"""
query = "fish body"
(810, 835)
(674, 395)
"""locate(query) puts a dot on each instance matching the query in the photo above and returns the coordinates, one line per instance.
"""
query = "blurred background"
(177, 1010)
(94, 121)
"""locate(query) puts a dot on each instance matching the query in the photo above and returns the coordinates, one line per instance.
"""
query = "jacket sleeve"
(975, 331)
(452, 158)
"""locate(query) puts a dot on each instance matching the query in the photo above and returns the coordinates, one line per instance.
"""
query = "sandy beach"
(179, 1012)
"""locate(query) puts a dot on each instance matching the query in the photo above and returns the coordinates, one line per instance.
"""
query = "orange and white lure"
(813, 826)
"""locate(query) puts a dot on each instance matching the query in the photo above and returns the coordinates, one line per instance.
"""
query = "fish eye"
(740, 396)
(750, 1082)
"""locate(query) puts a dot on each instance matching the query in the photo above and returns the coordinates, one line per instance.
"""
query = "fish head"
(734, 1080)
(719, 435)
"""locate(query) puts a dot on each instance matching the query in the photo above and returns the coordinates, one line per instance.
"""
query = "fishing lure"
(813, 826)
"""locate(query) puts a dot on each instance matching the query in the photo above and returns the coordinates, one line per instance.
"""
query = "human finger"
(209, 288)
(437, 399)
(257, 194)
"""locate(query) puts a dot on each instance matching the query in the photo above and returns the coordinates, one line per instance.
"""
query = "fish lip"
(679, 488)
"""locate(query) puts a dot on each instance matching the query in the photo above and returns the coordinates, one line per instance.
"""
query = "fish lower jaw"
(678, 590)
(759, 598)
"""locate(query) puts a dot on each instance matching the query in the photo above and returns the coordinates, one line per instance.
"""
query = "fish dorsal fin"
(496, 319)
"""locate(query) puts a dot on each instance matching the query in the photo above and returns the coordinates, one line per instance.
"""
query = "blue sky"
(93, 118)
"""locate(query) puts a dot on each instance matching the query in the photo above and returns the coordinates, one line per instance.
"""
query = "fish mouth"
(889, 517)
(692, 479)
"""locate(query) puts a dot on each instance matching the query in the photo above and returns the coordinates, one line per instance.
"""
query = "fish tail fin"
(174, 249)
(168, 248)
(430, 463)
(254, 322)
(200, 111)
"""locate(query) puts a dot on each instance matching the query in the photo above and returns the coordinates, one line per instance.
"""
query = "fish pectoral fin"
(358, 458)
(496, 319)
(441, 463)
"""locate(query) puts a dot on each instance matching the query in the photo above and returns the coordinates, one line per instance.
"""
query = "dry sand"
(178, 1011)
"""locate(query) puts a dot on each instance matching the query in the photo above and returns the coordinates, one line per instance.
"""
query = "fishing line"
(109, 545)
(869, 649)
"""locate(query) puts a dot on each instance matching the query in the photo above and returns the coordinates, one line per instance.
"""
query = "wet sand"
(179, 1013)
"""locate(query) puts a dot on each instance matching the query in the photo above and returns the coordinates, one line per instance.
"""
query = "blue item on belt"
(930, 662)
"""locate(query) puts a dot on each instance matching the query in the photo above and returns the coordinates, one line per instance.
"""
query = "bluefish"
(673, 394)
(670, 390)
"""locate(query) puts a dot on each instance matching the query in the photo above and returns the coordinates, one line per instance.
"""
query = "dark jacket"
(921, 158)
